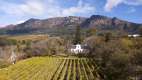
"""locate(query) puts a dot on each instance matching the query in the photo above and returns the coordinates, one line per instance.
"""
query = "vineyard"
(52, 68)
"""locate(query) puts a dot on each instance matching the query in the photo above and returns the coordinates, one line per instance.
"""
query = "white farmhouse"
(134, 35)
(78, 48)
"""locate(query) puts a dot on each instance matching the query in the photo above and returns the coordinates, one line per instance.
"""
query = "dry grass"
(28, 37)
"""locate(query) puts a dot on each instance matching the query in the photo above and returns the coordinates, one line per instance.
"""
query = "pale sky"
(17, 11)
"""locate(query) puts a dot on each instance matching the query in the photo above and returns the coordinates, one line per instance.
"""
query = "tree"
(6, 42)
(108, 36)
(91, 32)
(140, 31)
(77, 39)
(28, 43)
(113, 62)
(18, 47)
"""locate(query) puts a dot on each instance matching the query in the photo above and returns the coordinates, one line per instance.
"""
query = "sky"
(18, 11)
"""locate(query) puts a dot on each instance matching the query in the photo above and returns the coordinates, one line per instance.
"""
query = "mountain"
(67, 25)
(106, 23)
(50, 26)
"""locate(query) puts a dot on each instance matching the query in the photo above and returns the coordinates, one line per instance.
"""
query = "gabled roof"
(82, 46)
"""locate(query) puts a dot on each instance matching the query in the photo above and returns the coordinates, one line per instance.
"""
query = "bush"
(4, 64)
(52, 46)
(112, 57)
(5, 42)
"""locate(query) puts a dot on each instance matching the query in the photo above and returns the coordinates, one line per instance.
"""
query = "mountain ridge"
(52, 25)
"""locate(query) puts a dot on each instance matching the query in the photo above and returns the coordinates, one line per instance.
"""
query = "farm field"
(51, 68)
(28, 37)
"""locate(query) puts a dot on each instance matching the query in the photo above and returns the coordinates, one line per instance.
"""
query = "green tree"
(140, 31)
(91, 32)
(107, 36)
(18, 47)
(5, 42)
(77, 39)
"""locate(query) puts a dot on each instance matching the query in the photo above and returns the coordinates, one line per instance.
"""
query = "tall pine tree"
(140, 31)
(77, 38)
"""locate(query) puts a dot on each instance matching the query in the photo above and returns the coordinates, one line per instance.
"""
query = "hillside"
(51, 68)
(51, 26)
(67, 25)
